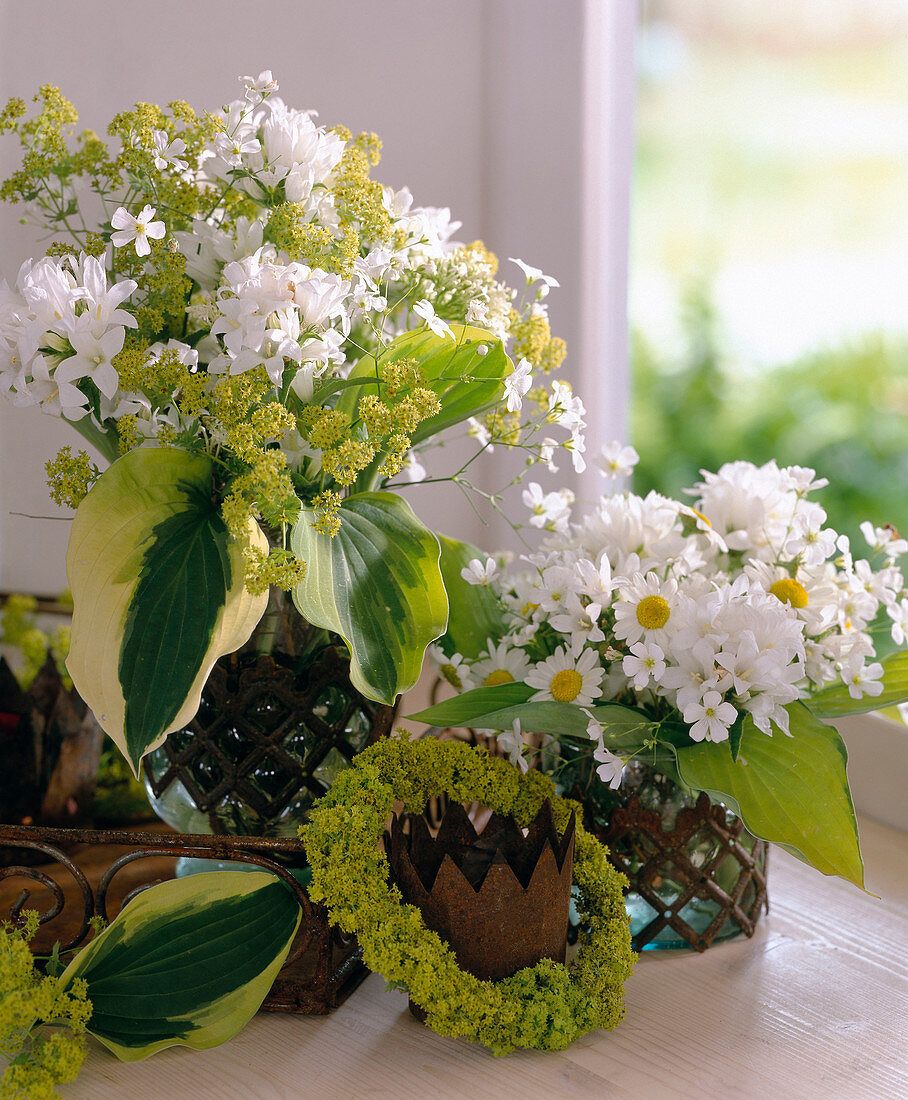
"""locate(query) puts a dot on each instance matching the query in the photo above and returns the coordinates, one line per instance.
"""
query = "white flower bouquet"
(259, 337)
(708, 639)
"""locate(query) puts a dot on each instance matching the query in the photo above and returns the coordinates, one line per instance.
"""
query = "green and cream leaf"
(158, 593)
(187, 962)
(378, 584)
(792, 791)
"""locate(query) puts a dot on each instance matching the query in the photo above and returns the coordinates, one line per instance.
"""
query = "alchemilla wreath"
(545, 1007)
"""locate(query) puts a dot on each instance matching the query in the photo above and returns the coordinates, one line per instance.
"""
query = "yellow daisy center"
(499, 676)
(652, 612)
(450, 674)
(566, 685)
(790, 591)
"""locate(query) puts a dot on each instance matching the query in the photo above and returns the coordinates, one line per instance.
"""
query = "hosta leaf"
(789, 790)
(835, 702)
(158, 594)
(475, 612)
(378, 584)
(466, 381)
(187, 962)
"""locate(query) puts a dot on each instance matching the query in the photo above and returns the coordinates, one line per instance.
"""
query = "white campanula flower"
(514, 746)
(614, 460)
(478, 313)
(884, 540)
(710, 718)
(578, 621)
(258, 87)
(645, 662)
(167, 153)
(566, 678)
(517, 383)
(480, 572)
(140, 229)
(549, 509)
(413, 469)
(862, 679)
(426, 311)
(535, 275)
(610, 768)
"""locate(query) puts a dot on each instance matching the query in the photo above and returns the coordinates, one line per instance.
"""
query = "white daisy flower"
(645, 608)
(501, 664)
(565, 678)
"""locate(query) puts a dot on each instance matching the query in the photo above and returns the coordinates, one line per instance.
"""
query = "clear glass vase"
(277, 722)
(696, 876)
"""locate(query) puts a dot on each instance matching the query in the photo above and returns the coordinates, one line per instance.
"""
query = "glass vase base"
(695, 914)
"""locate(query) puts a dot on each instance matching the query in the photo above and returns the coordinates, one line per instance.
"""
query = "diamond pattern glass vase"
(696, 875)
(278, 721)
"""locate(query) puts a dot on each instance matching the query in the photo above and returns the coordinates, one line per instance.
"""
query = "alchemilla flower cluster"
(737, 604)
(217, 277)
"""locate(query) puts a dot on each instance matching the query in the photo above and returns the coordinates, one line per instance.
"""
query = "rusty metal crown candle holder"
(499, 897)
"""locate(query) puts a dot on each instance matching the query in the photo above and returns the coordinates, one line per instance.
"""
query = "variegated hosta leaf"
(378, 584)
(790, 790)
(158, 593)
(186, 963)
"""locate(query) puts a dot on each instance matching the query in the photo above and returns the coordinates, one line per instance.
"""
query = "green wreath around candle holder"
(545, 1007)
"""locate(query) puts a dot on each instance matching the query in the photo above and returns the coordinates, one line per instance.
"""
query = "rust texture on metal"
(322, 969)
(261, 740)
(646, 852)
(499, 898)
(50, 748)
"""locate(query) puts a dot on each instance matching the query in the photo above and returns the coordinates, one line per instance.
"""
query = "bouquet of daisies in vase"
(709, 640)
(262, 341)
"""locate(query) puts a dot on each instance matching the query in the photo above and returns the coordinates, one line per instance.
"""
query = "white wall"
(479, 102)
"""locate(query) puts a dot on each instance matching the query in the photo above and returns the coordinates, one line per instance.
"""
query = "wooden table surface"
(814, 1005)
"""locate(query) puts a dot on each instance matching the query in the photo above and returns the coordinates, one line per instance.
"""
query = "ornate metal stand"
(652, 857)
(322, 969)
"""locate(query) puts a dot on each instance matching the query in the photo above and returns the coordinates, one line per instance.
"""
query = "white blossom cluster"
(742, 603)
(60, 325)
(248, 304)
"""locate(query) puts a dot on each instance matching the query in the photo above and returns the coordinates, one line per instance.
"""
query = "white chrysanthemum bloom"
(644, 608)
(565, 678)
(500, 664)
